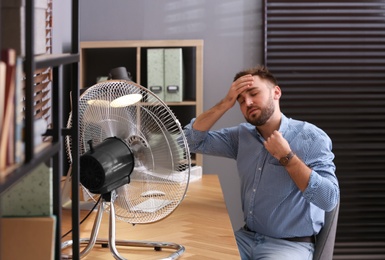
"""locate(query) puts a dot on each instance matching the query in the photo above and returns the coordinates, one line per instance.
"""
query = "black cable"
(89, 213)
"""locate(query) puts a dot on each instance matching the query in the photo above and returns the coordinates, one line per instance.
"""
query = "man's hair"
(260, 71)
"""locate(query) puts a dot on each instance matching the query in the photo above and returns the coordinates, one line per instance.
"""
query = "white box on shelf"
(155, 71)
(173, 75)
(13, 25)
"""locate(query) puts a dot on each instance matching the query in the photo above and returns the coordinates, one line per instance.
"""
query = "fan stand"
(112, 242)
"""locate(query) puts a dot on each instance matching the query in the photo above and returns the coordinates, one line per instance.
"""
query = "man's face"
(257, 104)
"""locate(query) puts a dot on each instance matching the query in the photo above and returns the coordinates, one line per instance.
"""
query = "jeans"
(253, 246)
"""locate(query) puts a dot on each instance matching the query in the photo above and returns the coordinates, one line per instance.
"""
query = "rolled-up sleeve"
(223, 142)
(323, 188)
(194, 137)
(322, 192)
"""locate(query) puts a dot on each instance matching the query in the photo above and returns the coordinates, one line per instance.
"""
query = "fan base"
(104, 243)
(112, 242)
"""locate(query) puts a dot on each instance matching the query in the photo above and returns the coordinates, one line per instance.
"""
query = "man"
(285, 166)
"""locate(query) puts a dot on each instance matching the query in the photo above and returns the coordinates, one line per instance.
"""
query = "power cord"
(88, 214)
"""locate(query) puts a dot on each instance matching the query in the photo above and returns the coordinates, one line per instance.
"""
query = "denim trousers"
(253, 246)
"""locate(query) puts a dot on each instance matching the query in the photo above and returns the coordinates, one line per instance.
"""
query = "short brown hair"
(260, 71)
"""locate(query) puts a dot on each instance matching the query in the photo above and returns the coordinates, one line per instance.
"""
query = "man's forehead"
(245, 92)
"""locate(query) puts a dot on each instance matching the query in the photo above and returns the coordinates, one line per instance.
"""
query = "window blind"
(42, 77)
(329, 59)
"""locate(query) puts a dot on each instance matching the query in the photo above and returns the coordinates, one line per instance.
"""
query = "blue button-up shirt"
(272, 203)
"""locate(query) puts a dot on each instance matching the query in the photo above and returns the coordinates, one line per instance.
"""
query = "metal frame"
(112, 242)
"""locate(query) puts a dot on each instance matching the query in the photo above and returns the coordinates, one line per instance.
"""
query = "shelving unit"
(54, 149)
(97, 58)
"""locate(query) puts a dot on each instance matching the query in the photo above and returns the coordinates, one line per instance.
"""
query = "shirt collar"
(282, 127)
(284, 124)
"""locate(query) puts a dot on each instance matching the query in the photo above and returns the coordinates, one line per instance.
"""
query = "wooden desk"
(200, 223)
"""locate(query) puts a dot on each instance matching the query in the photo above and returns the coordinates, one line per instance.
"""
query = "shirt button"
(259, 168)
(250, 212)
(253, 190)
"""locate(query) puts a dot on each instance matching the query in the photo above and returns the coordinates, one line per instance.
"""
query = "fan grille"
(94, 171)
(154, 135)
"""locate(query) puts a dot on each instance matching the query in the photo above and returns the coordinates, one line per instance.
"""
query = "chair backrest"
(324, 246)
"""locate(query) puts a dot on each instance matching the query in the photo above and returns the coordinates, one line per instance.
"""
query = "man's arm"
(324, 191)
(297, 169)
(207, 119)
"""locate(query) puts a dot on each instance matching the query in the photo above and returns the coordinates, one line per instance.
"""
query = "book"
(6, 142)
(2, 92)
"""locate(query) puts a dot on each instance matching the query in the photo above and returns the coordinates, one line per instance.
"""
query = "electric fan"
(134, 155)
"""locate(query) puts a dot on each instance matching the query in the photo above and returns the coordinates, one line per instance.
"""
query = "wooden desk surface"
(200, 223)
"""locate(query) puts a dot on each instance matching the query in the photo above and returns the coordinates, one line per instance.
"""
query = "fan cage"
(155, 136)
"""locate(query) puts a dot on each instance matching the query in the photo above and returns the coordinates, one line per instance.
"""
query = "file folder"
(173, 75)
(155, 71)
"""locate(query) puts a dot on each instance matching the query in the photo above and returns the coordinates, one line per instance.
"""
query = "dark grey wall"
(232, 34)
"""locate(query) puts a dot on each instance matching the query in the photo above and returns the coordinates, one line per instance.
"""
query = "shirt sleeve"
(323, 188)
(223, 142)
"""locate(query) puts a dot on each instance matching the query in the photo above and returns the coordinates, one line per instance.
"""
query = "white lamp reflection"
(126, 100)
(122, 101)
(98, 103)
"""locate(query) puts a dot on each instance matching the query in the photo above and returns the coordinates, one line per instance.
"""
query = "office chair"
(324, 246)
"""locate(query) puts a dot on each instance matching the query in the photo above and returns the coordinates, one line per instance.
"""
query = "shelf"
(184, 103)
(141, 43)
(97, 58)
(53, 60)
(49, 151)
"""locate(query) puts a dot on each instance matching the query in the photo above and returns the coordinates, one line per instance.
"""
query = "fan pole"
(112, 238)
(92, 240)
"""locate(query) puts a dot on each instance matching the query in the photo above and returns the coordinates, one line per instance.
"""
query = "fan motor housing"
(107, 166)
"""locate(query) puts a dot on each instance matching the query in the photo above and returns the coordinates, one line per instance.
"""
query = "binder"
(173, 75)
(155, 71)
